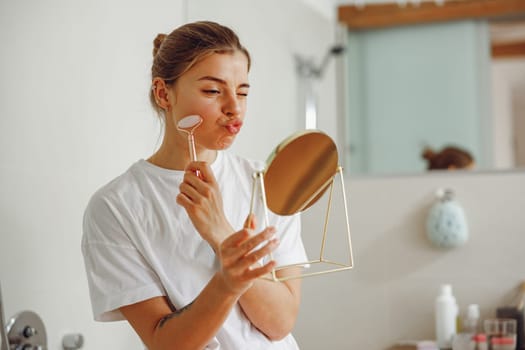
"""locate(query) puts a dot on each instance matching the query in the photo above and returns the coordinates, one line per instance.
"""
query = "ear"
(160, 92)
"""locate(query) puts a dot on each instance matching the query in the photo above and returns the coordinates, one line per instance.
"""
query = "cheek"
(190, 102)
(204, 107)
(207, 109)
(209, 120)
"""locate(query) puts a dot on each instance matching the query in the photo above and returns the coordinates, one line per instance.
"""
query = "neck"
(175, 155)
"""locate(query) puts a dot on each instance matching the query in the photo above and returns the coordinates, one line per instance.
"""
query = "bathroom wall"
(389, 294)
(75, 113)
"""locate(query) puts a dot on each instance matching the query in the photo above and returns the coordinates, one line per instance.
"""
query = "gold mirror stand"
(333, 266)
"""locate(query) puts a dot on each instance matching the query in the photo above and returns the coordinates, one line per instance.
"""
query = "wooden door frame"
(374, 16)
(392, 14)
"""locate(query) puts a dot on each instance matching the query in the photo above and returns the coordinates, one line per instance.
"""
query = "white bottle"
(446, 314)
(466, 339)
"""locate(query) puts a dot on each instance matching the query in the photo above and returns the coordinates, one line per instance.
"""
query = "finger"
(206, 174)
(202, 188)
(236, 250)
(196, 189)
(250, 259)
(249, 242)
(260, 271)
(235, 239)
(189, 191)
(193, 180)
(182, 199)
(250, 221)
(254, 241)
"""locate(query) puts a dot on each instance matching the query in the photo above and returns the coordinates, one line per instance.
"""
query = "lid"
(446, 289)
(503, 340)
(480, 337)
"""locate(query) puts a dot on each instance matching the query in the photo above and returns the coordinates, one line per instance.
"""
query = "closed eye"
(212, 92)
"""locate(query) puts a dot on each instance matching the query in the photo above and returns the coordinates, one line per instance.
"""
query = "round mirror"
(299, 171)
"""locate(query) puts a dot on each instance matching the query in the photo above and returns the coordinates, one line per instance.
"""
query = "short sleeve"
(291, 249)
(117, 272)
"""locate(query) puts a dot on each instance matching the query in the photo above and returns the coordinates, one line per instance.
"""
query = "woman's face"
(216, 88)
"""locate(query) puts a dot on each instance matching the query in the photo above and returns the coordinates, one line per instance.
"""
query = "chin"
(225, 143)
(223, 146)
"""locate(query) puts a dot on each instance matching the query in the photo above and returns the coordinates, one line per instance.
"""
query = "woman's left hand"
(202, 199)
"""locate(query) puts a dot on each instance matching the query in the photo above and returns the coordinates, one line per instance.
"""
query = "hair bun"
(157, 42)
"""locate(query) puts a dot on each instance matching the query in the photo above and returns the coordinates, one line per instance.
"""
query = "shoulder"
(119, 187)
(111, 203)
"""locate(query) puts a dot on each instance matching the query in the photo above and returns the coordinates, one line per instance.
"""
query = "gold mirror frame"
(298, 173)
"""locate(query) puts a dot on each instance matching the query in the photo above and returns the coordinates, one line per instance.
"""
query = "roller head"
(189, 122)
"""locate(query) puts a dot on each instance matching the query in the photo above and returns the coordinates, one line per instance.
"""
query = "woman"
(164, 244)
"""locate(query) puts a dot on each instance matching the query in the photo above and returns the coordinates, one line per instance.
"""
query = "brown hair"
(175, 53)
(448, 157)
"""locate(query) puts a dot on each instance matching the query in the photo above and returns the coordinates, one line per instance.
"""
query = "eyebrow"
(220, 81)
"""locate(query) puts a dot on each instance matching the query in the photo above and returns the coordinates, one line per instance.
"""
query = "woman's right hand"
(202, 199)
(239, 258)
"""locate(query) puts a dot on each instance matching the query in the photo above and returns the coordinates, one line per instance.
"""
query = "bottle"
(446, 311)
(515, 310)
(465, 339)
(470, 323)
(480, 341)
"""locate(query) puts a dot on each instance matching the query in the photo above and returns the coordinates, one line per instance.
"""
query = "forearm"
(194, 326)
(272, 307)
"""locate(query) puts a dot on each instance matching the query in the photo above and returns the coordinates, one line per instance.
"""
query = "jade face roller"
(188, 125)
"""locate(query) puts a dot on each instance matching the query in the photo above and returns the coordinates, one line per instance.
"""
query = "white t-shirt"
(138, 243)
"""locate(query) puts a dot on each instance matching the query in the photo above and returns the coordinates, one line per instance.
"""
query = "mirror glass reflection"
(299, 171)
(425, 87)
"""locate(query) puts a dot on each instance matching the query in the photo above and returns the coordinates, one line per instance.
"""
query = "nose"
(232, 106)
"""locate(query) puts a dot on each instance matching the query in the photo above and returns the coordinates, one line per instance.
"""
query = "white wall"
(75, 113)
(389, 294)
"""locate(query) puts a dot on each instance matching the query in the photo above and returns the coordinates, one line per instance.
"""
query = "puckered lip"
(233, 126)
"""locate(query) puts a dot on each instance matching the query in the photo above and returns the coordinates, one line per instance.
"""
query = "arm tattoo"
(173, 314)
